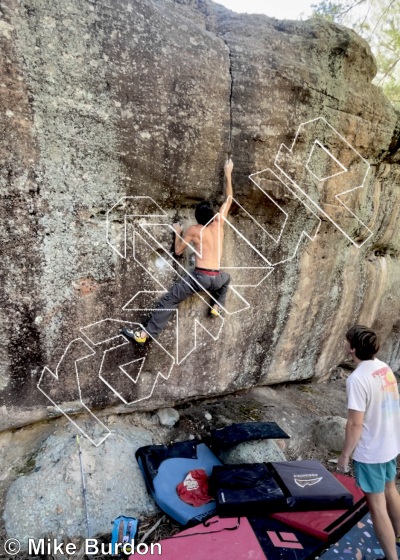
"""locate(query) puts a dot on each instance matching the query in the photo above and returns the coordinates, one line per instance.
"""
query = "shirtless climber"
(207, 237)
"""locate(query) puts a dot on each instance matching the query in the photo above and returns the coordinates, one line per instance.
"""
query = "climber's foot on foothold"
(215, 311)
(137, 335)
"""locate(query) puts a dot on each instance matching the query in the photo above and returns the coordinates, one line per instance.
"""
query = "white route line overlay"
(337, 196)
(183, 269)
(277, 241)
(163, 214)
(198, 294)
(55, 375)
(318, 143)
(129, 323)
(145, 228)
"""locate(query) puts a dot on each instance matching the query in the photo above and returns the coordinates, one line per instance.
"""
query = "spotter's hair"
(364, 341)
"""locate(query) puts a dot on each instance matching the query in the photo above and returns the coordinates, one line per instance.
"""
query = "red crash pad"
(220, 539)
(324, 524)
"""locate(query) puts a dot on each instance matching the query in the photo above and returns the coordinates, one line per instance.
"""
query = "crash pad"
(280, 542)
(308, 485)
(266, 488)
(328, 524)
(246, 489)
(359, 543)
(165, 467)
(217, 539)
(225, 438)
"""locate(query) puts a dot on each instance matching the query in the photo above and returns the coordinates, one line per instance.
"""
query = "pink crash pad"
(214, 542)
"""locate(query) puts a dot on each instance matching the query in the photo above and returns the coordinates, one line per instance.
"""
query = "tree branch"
(390, 70)
(349, 8)
(382, 14)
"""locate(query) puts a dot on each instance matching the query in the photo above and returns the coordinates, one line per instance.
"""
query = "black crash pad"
(248, 489)
(309, 485)
(225, 438)
(266, 488)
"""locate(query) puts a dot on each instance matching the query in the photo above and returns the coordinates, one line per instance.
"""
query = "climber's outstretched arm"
(228, 190)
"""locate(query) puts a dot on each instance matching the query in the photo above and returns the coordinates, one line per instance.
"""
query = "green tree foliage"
(378, 21)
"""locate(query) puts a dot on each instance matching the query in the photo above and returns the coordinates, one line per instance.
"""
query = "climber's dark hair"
(204, 212)
(364, 341)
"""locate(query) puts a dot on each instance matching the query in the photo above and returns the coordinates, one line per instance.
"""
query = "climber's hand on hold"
(177, 228)
(228, 167)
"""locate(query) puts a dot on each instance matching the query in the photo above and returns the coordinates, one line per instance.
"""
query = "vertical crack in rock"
(230, 100)
(218, 32)
(216, 28)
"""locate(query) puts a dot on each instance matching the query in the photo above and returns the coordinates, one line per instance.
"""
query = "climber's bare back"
(207, 242)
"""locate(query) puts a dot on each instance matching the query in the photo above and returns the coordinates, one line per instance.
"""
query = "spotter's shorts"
(372, 477)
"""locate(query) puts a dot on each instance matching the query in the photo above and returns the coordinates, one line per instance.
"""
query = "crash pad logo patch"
(304, 480)
(284, 540)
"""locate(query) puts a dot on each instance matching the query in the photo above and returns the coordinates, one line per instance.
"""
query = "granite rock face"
(329, 432)
(253, 452)
(116, 118)
(48, 499)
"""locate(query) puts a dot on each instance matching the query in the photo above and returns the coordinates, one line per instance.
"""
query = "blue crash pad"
(163, 469)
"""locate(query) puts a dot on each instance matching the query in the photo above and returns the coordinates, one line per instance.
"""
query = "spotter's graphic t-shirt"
(372, 388)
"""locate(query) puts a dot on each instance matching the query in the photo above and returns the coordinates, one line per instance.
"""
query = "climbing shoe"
(215, 312)
(135, 335)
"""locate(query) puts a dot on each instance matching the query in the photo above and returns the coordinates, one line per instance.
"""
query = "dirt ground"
(294, 406)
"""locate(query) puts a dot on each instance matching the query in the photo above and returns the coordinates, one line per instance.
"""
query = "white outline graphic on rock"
(268, 268)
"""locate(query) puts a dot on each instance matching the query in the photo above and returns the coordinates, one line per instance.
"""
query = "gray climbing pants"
(216, 286)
